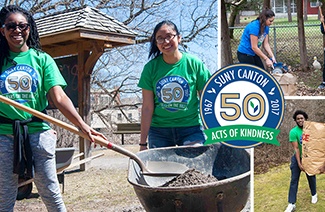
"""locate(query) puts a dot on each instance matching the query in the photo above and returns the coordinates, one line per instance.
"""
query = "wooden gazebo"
(84, 33)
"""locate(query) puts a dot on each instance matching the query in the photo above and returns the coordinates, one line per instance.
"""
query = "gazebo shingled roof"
(66, 28)
(85, 32)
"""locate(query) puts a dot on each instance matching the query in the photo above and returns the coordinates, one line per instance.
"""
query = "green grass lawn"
(284, 40)
(271, 191)
(312, 19)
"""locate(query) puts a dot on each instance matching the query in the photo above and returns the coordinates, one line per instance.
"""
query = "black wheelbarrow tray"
(230, 166)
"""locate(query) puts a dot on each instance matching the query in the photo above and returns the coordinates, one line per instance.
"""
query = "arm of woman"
(258, 51)
(268, 49)
(146, 115)
(64, 104)
(322, 24)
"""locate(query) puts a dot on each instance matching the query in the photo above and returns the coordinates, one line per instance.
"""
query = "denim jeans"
(172, 136)
(295, 175)
(43, 147)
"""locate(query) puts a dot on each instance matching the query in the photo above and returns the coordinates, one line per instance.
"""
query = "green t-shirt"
(28, 83)
(175, 88)
(295, 135)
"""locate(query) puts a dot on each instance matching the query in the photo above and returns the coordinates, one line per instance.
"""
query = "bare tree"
(301, 36)
(117, 71)
(235, 7)
(267, 3)
(305, 3)
(289, 10)
(322, 12)
(226, 55)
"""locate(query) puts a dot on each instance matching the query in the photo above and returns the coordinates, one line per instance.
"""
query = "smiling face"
(167, 40)
(16, 36)
(300, 119)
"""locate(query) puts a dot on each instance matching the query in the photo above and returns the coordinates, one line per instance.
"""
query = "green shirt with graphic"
(295, 135)
(28, 82)
(175, 88)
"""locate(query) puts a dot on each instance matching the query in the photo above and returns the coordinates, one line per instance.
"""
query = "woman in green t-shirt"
(171, 83)
(28, 75)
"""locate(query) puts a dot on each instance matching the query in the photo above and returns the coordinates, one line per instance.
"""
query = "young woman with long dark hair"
(27, 144)
(256, 34)
(171, 83)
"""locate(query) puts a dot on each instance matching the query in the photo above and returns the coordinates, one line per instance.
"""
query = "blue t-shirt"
(252, 28)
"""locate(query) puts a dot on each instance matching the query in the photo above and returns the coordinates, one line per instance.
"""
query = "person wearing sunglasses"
(171, 83)
(27, 144)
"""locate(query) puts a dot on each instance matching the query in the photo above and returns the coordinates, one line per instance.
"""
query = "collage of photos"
(162, 106)
(286, 40)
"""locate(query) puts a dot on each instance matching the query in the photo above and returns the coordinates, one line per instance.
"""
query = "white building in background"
(280, 7)
(131, 110)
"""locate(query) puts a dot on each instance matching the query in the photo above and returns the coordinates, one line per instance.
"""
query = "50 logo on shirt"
(173, 93)
(19, 82)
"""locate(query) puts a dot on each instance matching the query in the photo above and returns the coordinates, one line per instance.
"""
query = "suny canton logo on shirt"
(173, 93)
(19, 83)
(242, 106)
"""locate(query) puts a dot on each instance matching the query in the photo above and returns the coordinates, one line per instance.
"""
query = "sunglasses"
(13, 26)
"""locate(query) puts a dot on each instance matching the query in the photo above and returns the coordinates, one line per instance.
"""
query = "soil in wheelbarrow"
(189, 178)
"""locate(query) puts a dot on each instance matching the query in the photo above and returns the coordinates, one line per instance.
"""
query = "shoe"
(314, 199)
(321, 86)
(291, 207)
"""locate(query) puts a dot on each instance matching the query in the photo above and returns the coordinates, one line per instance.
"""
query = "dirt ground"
(102, 188)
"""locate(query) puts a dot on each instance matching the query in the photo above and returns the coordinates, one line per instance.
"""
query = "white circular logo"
(242, 106)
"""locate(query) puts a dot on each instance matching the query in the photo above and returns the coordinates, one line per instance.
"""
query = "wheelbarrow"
(230, 166)
(64, 158)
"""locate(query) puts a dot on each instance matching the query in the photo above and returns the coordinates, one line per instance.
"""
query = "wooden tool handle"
(99, 140)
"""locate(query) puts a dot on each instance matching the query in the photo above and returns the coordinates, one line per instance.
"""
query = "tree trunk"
(289, 10)
(305, 2)
(226, 53)
(232, 19)
(234, 14)
(322, 8)
(237, 20)
(301, 36)
(267, 3)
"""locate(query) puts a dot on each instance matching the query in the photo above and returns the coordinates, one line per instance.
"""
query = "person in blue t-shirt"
(255, 35)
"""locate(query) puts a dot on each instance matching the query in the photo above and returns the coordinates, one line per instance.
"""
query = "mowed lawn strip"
(271, 191)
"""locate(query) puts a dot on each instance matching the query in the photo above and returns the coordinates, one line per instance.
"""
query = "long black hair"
(154, 51)
(33, 40)
(265, 14)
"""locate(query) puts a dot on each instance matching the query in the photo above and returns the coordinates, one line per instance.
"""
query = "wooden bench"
(127, 128)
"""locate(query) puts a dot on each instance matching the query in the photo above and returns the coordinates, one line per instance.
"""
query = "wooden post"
(83, 101)
(86, 63)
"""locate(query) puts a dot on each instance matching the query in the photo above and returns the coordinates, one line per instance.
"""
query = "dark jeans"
(295, 174)
(249, 59)
(172, 136)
